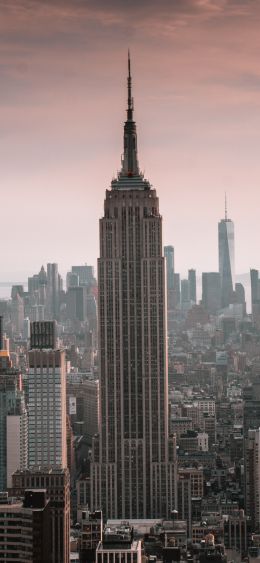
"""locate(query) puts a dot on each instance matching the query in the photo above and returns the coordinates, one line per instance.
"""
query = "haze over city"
(196, 83)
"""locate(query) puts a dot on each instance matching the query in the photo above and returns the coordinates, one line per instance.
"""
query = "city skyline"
(196, 106)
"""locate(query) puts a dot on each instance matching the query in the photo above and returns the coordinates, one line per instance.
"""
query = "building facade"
(226, 259)
(47, 399)
(56, 482)
(133, 471)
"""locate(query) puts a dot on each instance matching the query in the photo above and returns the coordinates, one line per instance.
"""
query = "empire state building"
(133, 469)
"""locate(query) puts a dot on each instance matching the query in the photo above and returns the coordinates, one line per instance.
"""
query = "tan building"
(118, 545)
(133, 472)
(196, 479)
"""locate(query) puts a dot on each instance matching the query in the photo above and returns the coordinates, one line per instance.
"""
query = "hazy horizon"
(196, 85)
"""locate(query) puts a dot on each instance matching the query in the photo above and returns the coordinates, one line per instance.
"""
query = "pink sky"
(196, 80)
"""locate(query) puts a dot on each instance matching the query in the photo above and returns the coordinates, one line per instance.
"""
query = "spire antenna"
(130, 105)
(225, 206)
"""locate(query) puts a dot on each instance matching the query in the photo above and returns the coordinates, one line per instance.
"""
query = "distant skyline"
(196, 86)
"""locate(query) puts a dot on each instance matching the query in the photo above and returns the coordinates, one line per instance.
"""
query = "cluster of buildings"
(132, 435)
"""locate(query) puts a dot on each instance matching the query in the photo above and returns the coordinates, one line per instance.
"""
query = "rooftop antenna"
(130, 105)
(225, 206)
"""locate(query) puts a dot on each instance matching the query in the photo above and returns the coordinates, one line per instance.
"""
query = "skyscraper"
(169, 263)
(255, 297)
(133, 471)
(47, 399)
(226, 258)
(252, 477)
(13, 422)
(193, 285)
(211, 292)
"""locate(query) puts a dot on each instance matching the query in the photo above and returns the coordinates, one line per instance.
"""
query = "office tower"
(211, 292)
(192, 285)
(25, 529)
(1, 332)
(57, 485)
(13, 421)
(185, 296)
(53, 291)
(17, 313)
(237, 528)
(169, 261)
(133, 471)
(16, 437)
(72, 280)
(83, 405)
(47, 398)
(251, 429)
(76, 303)
(85, 274)
(169, 258)
(177, 289)
(252, 477)
(255, 286)
(251, 409)
(255, 297)
(37, 291)
(226, 259)
(184, 500)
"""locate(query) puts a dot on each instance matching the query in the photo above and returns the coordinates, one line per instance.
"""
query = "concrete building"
(192, 285)
(47, 399)
(83, 404)
(211, 292)
(54, 286)
(57, 485)
(25, 529)
(13, 422)
(133, 471)
(118, 545)
(252, 478)
(196, 479)
(255, 297)
(236, 533)
(16, 438)
(90, 534)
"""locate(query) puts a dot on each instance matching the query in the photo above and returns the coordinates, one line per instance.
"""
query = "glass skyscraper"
(226, 259)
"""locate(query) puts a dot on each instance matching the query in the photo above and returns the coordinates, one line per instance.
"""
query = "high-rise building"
(25, 529)
(16, 437)
(252, 477)
(54, 286)
(133, 471)
(85, 274)
(83, 405)
(47, 399)
(169, 258)
(226, 259)
(13, 421)
(211, 292)
(76, 303)
(185, 296)
(192, 285)
(255, 297)
(56, 482)
(1, 332)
